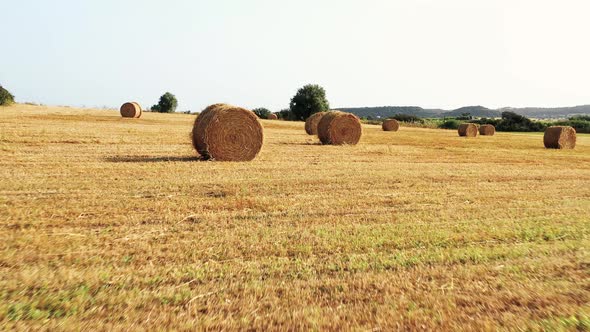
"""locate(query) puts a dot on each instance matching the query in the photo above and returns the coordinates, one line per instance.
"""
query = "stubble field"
(111, 223)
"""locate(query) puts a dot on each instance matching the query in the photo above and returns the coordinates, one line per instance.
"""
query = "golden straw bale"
(131, 110)
(227, 133)
(467, 130)
(560, 137)
(339, 128)
(487, 130)
(390, 125)
(311, 124)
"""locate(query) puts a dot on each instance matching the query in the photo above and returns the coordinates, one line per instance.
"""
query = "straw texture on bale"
(467, 130)
(487, 130)
(339, 128)
(272, 116)
(560, 137)
(311, 124)
(131, 110)
(227, 133)
(390, 125)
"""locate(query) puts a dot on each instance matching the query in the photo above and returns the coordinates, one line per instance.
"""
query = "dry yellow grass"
(113, 224)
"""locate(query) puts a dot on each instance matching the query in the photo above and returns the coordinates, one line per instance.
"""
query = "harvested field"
(114, 223)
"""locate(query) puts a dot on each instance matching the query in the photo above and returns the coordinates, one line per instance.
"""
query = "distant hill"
(387, 111)
(550, 113)
(476, 111)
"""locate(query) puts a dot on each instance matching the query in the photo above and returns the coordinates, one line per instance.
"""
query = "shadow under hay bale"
(467, 130)
(227, 133)
(560, 137)
(487, 130)
(337, 128)
(390, 125)
(151, 159)
(311, 124)
(131, 110)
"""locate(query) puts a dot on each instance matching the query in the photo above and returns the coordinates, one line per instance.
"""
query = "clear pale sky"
(253, 53)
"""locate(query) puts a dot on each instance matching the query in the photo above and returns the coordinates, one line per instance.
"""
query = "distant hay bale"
(131, 110)
(487, 130)
(272, 116)
(311, 124)
(560, 137)
(467, 130)
(227, 133)
(339, 128)
(390, 125)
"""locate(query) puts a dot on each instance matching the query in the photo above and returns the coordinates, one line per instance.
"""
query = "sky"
(258, 53)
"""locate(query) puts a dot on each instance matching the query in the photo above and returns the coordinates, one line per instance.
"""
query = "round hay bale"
(311, 124)
(487, 130)
(272, 116)
(140, 109)
(339, 128)
(390, 125)
(468, 130)
(131, 110)
(560, 137)
(227, 133)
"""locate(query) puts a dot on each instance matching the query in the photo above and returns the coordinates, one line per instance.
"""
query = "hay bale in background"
(560, 137)
(467, 130)
(227, 133)
(131, 110)
(339, 128)
(272, 116)
(487, 130)
(390, 125)
(311, 124)
(140, 109)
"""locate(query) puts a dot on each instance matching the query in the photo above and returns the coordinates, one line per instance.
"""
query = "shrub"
(581, 117)
(286, 114)
(465, 116)
(167, 104)
(262, 112)
(450, 124)
(515, 122)
(6, 98)
(581, 126)
(407, 118)
(308, 100)
(484, 121)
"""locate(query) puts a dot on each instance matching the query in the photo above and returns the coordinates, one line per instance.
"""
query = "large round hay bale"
(311, 124)
(487, 130)
(339, 128)
(467, 130)
(227, 133)
(272, 116)
(131, 110)
(140, 109)
(560, 137)
(390, 125)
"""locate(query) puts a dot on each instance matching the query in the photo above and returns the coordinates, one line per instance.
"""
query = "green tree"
(309, 99)
(262, 112)
(167, 104)
(6, 98)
